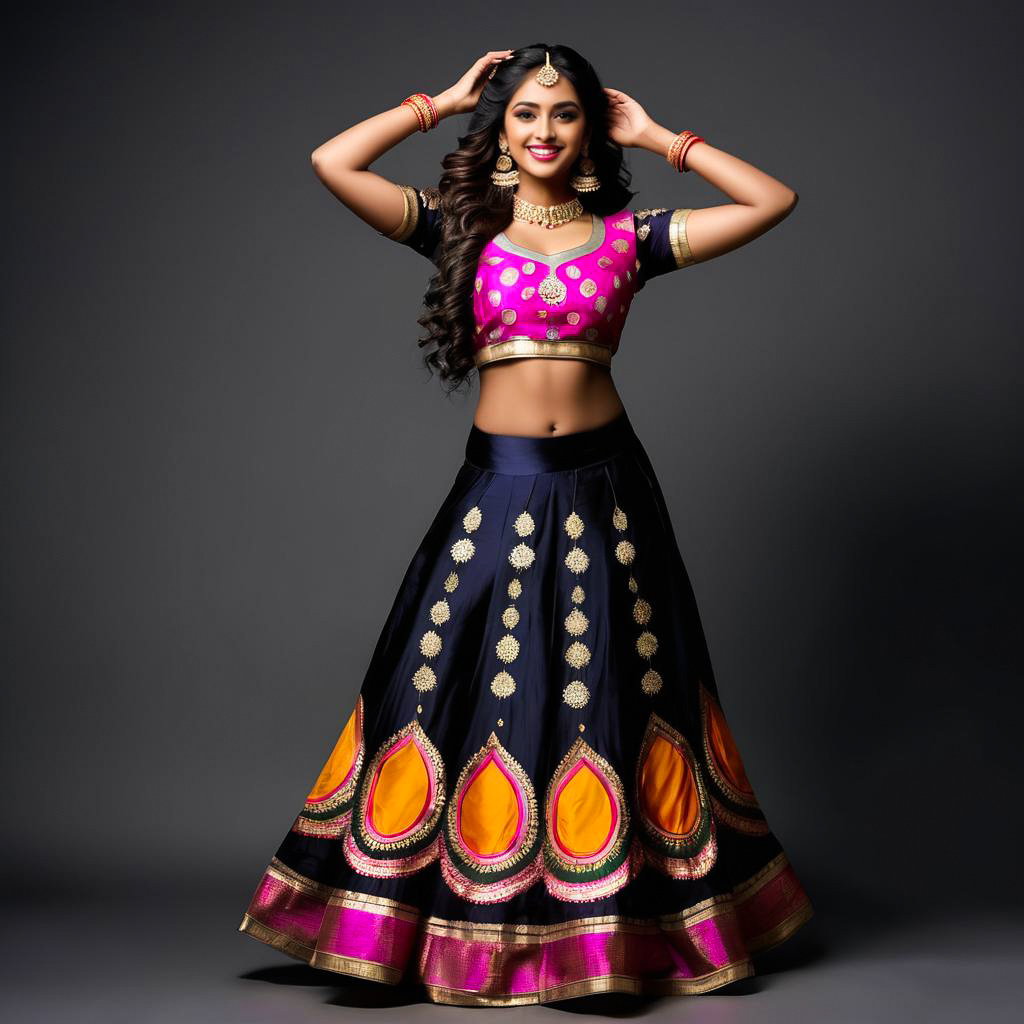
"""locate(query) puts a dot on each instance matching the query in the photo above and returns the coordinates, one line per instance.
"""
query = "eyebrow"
(562, 103)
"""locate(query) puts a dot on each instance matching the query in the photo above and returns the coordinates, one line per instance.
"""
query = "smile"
(544, 152)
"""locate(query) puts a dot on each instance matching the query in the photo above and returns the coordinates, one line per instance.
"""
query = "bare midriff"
(541, 397)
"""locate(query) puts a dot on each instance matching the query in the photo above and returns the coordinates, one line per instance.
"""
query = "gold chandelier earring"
(586, 180)
(504, 175)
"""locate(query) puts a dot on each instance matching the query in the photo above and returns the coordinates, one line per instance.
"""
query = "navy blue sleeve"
(421, 226)
(661, 243)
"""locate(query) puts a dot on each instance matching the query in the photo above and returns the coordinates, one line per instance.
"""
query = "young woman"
(536, 794)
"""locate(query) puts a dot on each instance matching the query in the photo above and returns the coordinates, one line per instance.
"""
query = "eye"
(568, 114)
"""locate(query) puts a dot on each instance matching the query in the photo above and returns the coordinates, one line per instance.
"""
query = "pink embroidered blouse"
(566, 305)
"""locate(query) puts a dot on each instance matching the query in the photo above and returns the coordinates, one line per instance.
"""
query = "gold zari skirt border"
(564, 348)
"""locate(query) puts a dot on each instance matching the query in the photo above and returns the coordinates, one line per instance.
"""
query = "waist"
(521, 456)
(521, 347)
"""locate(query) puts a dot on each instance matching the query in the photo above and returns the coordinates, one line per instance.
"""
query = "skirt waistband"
(524, 456)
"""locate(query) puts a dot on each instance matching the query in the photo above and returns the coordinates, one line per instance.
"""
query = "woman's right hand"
(464, 94)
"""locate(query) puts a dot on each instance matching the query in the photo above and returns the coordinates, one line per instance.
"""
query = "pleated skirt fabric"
(535, 794)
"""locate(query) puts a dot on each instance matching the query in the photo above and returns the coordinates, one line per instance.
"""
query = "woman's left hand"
(627, 120)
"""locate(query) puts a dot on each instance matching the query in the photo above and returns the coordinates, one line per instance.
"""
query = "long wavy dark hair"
(474, 209)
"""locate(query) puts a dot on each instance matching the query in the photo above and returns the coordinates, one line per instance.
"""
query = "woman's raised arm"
(341, 163)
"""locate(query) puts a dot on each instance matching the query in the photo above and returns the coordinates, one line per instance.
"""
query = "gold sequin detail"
(508, 316)
(528, 292)
(424, 678)
(620, 245)
(472, 519)
(551, 334)
(510, 617)
(578, 654)
(479, 283)
(494, 260)
(509, 276)
(572, 318)
(521, 556)
(419, 709)
(494, 297)
(604, 262)
(625, 224)
(524, 524)
(463, 549)
(507, 648)
(440, 612)
(600, 302)
(625, 552)
(632, 584)
(588, 287)
(501, 721)
(515, 588)
(619, 520)
(582, 727)
(651, 682)
(646, 644)
(573, 271)
(577, 594)
(577, 559)
(616, 281)
(576, 622)
(430, 644)
(529, 267)
(503, 685)
(576, 694)
(451, 581)
(574, 526)
(642, 611)
(642, 232)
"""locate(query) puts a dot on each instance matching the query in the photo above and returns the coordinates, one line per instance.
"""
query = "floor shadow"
(346, 991)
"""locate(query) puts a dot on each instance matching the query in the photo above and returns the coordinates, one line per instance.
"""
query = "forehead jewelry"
(547, 75)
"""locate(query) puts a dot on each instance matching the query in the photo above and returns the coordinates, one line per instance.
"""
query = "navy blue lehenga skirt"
(535, 794)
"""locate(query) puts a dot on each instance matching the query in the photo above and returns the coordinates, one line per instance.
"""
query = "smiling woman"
(535, 793)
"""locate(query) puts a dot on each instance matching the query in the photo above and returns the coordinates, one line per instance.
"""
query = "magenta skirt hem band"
(465, 963)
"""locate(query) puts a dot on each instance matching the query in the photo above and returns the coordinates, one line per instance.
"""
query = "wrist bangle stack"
(426, 112)
(677, 150)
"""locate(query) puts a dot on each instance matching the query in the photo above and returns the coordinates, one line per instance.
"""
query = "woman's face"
(544, 117)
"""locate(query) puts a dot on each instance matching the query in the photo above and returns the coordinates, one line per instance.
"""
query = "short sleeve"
(421, 225)
(661, 243)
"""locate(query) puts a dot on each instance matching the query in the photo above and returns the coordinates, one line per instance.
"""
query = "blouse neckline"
(556, 259)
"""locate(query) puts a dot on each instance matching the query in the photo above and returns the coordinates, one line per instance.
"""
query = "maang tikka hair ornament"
(548, 74)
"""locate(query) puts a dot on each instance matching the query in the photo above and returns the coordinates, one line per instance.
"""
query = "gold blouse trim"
(677, 238)
(410, 217)
(565, 348)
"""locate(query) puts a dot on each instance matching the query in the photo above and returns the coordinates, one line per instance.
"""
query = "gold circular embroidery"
(604, 262)
(494, 260)
(521, 556)
(619, 520)
(527, 293)
(620, 245)
(463, 549)
(576, 694)
(577, 594)
(494, 297)
(576, 622)
(632, 584)
(472, 519)
(451, 581)
(515, 588)
(479, 283)
(440, 612)
(574, 526)
(430, 644)
(625, 552)
(651, 682)
(646, 644)
(642, 611)
(509, 276)
(508, 316)
(573, 271)
(616, 280)
(529, 267)
(551, 334)
(577, 559)
(419, 709)
(588, 287)
(510, 617)
(507, 648)
(591, 334)
(524, 524)
(582, 727)
(501, 721)
(600, 302)
(423, 678)
(572, 318)
(503, 685)
(577, 654)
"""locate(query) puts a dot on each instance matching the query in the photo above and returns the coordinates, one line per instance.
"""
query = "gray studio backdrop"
(220, 448)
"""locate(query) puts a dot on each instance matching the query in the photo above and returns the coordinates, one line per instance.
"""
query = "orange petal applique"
(491, 836)
(585, 812)
(327, 808)
(673, 802)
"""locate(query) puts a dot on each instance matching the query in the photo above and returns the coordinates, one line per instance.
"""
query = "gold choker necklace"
(549, 216)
